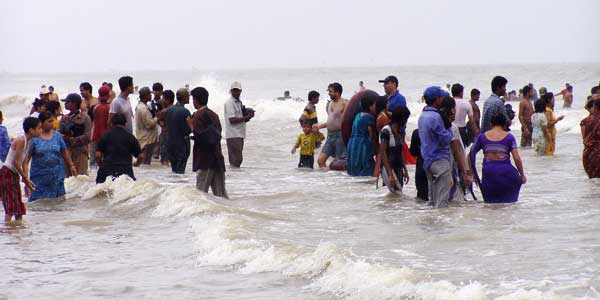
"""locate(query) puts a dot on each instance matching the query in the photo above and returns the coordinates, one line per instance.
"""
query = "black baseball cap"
(73, 97)
(390, 78)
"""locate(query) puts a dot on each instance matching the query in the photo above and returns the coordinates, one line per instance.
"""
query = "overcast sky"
(105, 35)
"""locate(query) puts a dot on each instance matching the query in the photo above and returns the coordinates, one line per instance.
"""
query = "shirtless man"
(567, 95)
(525, 113)
(475, 94)
(334, 145)
(89, 101)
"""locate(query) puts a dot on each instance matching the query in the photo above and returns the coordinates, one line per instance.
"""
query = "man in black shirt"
(179, 123)
(115, 150)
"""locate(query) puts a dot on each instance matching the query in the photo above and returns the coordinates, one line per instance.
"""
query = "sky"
(121, 35)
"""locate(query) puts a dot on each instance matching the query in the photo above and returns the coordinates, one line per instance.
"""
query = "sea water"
(296, 234)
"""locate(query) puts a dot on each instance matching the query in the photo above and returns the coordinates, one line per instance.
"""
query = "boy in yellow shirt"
(307, 141)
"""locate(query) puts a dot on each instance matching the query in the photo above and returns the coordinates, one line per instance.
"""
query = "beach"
(296, 234)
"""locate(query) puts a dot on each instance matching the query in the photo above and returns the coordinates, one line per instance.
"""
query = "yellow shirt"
(56, 124)
(308, 142)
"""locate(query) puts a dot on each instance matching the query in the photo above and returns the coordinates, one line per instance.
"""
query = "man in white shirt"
(464, 110)
(236, 116)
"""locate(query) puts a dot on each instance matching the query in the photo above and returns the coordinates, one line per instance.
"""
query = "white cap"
(236, 85)
(44, 90)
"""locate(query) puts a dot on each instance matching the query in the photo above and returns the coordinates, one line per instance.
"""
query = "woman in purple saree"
(501, 182)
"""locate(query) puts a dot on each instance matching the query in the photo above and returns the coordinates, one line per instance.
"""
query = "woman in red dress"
(590, 130)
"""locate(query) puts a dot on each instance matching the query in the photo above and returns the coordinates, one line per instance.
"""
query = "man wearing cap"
(435, 136)
(178, 120)
(494, 105)
(100, 120)
(39, 103)
(145, 127)
(121, 104)
(390, 86)
(76, 128)
(236, 116)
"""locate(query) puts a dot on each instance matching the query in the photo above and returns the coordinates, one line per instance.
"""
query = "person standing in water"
(464, 117)
(208, 160)
(525, 114)
(48, 156)
(567, 95)
(390, 86)
(89, 101)
(552, 120)
(494, 105)
(590, 131)
(391, 140)
(435, 136)
(334, 144)
(420, 174)
(539, 123)
(178, 121)
(501, 182)
(4, 140)
(236, 117)
(308, 141)
(168, 99)
(362, 140)
(116, 150)
(145, 127)
(14, 170)
(121, 104)
(309, 115)
(475, 94)
(76, 128)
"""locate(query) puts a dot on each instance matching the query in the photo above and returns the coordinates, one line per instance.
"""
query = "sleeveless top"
(10, 158)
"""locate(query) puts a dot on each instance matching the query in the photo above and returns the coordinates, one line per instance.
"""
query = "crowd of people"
(99, 133)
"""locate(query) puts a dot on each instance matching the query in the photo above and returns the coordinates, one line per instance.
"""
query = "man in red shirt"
(101, 111)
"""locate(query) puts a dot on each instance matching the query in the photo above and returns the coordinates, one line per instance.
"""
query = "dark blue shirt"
(179, 130)
(395, 100)
(435, 138)
(4, 143)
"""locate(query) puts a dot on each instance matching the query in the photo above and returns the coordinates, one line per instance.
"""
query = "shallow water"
(292, 234)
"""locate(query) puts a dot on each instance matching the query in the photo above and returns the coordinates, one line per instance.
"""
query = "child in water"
(307, 141)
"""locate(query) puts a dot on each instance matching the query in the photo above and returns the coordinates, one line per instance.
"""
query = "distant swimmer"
(13, 171)
(334, 144)
(567, 95)
(361, 86)
(309, 115)
(525, 114)
(286, 96)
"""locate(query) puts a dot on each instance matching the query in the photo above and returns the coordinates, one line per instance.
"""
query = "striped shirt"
(492, 106)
